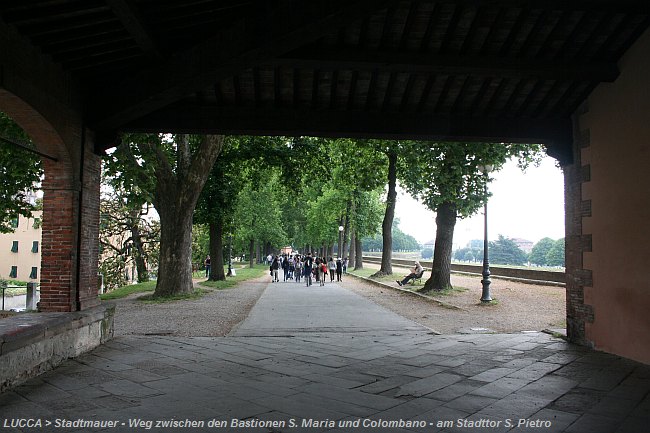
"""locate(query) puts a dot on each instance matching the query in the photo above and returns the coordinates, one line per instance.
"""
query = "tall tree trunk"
(387, 225)
(175, 267)
(177, 192)
(259, 252)
(251, 254)
(358, 254)
(353, 245)
(441, 272)
(139, 255)
(216, 251)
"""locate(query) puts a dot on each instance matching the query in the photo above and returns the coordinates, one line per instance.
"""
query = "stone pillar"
(578, 313)
(70, 245)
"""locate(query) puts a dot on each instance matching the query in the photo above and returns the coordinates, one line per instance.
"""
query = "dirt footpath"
(519, 306)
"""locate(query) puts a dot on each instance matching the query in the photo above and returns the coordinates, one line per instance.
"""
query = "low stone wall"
(525, 275)
(33, 343)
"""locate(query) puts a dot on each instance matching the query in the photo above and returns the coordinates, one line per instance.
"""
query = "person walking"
(308, 263)
(275, 265)
(339, 270)
(331, 266)
(345, 265)
(297, 272)
(285, 269)
(322, 271)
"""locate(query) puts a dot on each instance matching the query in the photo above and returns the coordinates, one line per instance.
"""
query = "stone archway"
(70, 227)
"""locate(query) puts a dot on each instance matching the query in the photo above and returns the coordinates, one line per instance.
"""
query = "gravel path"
(213, 315)
(521, 307)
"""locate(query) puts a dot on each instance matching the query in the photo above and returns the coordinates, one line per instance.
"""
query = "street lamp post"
(230, 272)
(340, 248)
(485, 296)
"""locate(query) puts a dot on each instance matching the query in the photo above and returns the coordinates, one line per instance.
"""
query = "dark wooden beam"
(130, 17)
(556, 133)
(416, 63)
(246, 43)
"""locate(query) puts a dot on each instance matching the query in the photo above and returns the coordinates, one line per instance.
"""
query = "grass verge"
(125, 291)
(243, 274)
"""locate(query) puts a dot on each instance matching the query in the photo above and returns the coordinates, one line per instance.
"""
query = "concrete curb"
(428, 298)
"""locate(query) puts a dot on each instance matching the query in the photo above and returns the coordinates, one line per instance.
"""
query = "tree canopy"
(20, 172)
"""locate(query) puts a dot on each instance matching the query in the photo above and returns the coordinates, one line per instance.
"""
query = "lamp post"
(485, 296)
(340, 248)
(230, 272)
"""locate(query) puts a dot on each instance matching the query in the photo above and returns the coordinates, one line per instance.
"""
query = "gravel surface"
(520, 307)
(213, 315)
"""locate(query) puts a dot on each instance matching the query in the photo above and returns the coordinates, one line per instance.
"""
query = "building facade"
(20, 251)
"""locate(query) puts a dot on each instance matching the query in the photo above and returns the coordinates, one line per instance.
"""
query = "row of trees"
(504, 251)
(271, 191)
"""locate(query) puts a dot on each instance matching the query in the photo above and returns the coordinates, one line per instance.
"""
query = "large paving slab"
(323, 359)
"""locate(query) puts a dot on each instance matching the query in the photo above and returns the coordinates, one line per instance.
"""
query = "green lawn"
(125, 291)
(243, 274)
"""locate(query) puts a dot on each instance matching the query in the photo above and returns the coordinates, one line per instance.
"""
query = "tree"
(540, 250)
(446, 178)
(20, 172)
(169, 171)
(125, 236)
(258, 216)
(427, 253)
(505, 251)
(555, 256)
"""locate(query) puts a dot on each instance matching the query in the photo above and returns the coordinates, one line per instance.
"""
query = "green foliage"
(257, 213)
(505, 251)
(438, 173)
(427, 253)
(401, 240)
(20, 173)
(200, 243)
(555, 256)
(539, 252)
(469, 254)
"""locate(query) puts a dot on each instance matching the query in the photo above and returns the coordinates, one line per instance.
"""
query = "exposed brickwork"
(42, 99)
(89, 228)
(59, 242)
(576, 243)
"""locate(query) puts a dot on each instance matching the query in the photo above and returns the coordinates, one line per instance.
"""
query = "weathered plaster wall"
(615, 159)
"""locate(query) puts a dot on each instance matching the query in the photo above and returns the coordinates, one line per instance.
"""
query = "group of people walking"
(306, 267)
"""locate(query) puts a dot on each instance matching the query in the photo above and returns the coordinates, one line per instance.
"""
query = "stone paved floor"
(328, 356)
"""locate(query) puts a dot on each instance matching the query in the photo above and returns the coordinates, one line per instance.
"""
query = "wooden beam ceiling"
(251, 40)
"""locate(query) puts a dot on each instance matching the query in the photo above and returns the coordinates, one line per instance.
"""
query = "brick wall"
(45, 102)
(577, 278)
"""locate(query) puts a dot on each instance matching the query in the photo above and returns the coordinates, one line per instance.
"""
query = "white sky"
(526, 205)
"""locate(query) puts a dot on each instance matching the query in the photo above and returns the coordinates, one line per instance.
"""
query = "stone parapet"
(31, 344)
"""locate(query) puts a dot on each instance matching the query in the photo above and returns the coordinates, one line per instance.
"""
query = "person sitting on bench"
(416, 272)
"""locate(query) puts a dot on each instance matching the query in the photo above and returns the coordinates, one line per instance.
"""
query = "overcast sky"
(526, 205)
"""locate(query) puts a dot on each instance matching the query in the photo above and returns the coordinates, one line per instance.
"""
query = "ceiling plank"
(131, 18)
(488, 66)
(556, 133)
(239, 47)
